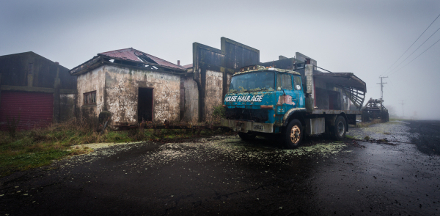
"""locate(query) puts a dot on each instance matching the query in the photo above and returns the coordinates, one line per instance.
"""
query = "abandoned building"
(131, 85)
(135, 86)
(34, 91)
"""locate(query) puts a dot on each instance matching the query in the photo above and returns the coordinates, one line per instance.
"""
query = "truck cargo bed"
(327, 111)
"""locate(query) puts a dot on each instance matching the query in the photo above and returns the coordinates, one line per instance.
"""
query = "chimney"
(178, 62)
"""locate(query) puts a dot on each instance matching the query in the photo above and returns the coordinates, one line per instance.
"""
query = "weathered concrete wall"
(67, 106)
(121, 93)
(228, 81)
(92, 81)
(191, 113)
(213, 92)
(230, 58)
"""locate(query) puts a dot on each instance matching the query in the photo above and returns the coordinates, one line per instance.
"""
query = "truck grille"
(257, 115)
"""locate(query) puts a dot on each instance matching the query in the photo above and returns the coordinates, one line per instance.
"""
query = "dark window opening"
(145, 104)
(90, 98)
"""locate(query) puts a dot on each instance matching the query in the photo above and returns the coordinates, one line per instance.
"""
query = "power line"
(415, 50)
(414, 42)
(415, 57)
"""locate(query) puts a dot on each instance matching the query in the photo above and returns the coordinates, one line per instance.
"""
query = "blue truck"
(293, 102)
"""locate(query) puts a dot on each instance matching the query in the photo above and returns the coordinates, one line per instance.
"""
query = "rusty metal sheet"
(131, 54)
(343, 79)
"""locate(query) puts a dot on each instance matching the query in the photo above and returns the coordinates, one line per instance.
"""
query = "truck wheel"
(340, 128)
(293, 134)
(247, 136)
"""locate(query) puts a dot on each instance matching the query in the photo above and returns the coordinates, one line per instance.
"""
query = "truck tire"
(293, 134)
(246, 136)
(340, 128)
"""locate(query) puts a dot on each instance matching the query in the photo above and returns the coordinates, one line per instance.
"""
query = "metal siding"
(32, 108)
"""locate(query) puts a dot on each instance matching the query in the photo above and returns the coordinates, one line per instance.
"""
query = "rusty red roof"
(131, 54)
(188, 66)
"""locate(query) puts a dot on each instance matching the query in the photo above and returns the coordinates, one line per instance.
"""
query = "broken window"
(284, 81)
(90, 98)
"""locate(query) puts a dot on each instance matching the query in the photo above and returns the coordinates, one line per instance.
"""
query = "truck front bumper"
(246, 126)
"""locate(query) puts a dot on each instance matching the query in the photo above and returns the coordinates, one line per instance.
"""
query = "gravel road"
(393, 173)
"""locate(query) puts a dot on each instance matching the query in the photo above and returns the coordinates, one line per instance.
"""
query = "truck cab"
(259, 98)
(265, 100)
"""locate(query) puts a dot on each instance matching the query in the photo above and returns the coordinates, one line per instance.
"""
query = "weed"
(30, 149)
(219, 112)
(12, 125)
(349, 137)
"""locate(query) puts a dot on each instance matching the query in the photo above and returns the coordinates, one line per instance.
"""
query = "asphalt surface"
(395, 172)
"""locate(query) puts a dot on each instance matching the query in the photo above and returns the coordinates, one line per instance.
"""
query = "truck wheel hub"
(295, 134)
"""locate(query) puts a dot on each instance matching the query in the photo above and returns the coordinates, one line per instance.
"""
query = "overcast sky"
(365, 37)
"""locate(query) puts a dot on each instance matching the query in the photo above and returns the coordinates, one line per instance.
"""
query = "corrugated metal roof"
(131, 54)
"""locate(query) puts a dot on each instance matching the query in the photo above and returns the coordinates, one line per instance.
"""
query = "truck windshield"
(255, 81)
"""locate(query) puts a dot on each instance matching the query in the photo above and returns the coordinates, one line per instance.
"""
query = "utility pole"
(381, 91)
(403, 113)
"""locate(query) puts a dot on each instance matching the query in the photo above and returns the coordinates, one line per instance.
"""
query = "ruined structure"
(132, 85)
(212, 70)
(35, 91)
(135, 86)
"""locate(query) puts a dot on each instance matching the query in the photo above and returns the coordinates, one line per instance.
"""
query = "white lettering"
(246, 98)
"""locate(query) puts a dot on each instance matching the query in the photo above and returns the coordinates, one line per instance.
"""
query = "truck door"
(299, 93)
(284, 83)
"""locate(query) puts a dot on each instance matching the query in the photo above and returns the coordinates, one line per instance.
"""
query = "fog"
(366, 37)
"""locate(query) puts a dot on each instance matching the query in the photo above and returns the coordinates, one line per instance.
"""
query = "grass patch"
(25, 150)
(367, 124)
(349, 137)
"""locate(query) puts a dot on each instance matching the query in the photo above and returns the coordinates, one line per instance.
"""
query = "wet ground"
(393, 173)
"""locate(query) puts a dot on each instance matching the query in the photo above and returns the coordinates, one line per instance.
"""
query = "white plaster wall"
(122, 86)
(92, 81)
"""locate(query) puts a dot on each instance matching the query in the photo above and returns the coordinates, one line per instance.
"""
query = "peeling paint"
(117, 91)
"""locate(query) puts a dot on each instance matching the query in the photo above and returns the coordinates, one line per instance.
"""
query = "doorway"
(145, 104)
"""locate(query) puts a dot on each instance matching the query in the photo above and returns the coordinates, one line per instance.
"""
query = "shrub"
(218, 113)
